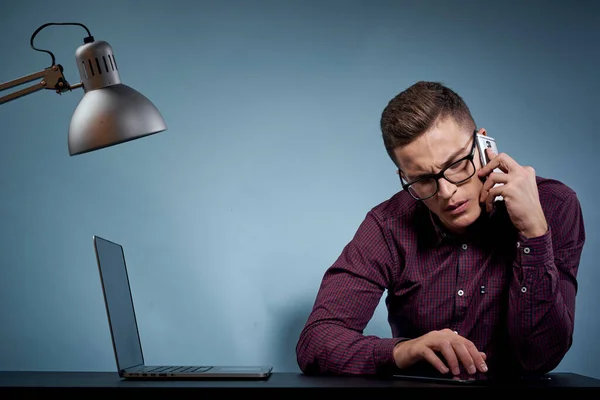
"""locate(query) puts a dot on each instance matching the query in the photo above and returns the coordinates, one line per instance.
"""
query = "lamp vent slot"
(91, 67)
(84, 70)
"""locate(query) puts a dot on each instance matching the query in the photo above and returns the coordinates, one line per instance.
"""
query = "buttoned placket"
(461, 284)
(526, 251)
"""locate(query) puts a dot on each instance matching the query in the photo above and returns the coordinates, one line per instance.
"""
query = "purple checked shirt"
(513, 297)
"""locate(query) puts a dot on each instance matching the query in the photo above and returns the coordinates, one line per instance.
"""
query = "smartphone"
(486, 142)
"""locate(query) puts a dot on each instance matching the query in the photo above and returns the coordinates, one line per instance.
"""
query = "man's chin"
(461, 222)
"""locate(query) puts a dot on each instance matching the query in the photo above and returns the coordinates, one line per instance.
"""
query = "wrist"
(400, 354)
(537, 228)
(535, 232)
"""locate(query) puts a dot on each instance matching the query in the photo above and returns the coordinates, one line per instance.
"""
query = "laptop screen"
(119, 303)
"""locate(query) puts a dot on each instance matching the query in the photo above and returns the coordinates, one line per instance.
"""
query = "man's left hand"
(519, 190)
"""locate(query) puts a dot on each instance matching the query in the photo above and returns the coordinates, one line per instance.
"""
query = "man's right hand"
(455, 349)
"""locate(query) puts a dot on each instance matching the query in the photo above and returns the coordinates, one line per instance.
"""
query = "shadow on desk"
(24, 384)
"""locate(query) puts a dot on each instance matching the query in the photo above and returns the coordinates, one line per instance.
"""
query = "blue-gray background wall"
(272, 158)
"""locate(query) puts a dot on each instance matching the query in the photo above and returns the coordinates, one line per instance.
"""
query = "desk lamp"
(109, 113)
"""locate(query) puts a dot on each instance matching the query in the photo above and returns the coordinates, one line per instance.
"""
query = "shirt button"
(464, 246)
(518, 244)
(526, 250)
(460, 292)
(523, 289)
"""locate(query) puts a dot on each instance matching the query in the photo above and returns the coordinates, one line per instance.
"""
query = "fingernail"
(455, 371)
(445, 370)
(483, 367)
(472, 369)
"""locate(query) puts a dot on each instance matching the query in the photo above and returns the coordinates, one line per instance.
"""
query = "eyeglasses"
(458, 172)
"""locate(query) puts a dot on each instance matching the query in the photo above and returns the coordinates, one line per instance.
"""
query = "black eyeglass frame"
(440, 175)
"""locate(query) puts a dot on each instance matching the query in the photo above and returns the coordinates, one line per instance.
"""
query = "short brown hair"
(417, 109)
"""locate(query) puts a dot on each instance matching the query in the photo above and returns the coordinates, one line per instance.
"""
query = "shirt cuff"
(534, 252)
(384, 355)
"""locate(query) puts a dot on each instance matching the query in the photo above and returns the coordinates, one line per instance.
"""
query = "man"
(475, 288)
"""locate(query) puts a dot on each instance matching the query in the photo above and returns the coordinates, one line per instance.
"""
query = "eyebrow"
(453, 157)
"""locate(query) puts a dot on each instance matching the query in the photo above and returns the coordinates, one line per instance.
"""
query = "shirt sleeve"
(543, 288)
(332, 341)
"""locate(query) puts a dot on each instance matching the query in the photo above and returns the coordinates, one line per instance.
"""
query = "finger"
(483, 355)
(450, 356)
(483, 194)
(430, 356)
(489, 154)
(491, 196)
(478, 358)
(501, 161)
(494, 178)
(464, 355)
(491, 180)
(496, 162)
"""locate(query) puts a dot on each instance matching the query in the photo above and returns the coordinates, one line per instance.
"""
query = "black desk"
(38, 384)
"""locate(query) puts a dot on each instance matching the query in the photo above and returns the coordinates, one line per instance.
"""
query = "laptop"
(125, 334)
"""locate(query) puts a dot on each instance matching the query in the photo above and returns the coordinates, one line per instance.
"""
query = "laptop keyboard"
(171, 369)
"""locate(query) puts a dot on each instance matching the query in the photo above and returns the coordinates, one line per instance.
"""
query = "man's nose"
(445, 189)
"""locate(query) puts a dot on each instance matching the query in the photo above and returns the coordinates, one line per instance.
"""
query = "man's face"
(457, 206)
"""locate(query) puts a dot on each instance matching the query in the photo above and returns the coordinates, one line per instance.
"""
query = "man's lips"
(455, 206)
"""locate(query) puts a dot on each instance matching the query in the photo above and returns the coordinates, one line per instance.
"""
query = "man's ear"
(401, 174)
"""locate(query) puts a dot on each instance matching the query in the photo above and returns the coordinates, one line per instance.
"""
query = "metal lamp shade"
(109, 112)
(112, 115)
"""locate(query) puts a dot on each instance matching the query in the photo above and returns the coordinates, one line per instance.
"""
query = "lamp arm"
(51, 78)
